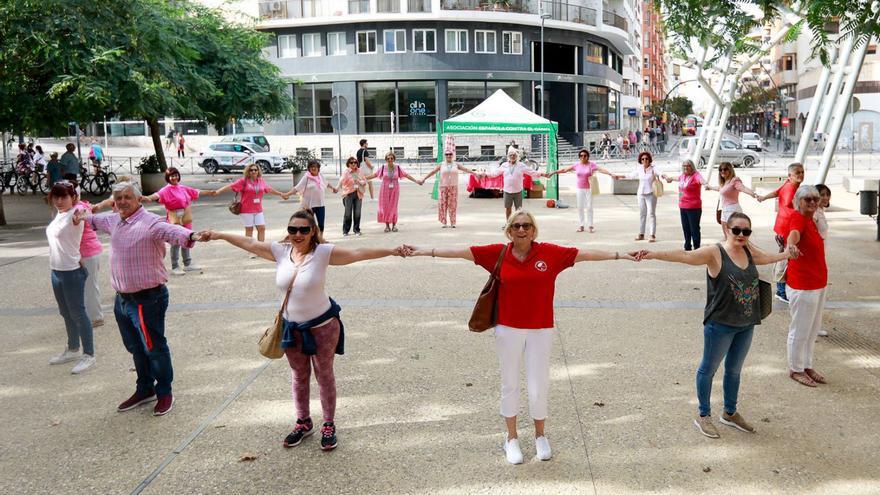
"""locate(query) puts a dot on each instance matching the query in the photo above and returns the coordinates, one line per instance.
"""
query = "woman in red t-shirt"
(806, 278)
(525, 315)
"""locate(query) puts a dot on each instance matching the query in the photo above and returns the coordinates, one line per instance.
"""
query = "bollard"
(868, 202)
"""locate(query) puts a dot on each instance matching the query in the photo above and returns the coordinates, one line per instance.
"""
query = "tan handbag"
(658, 188)
(174, 218)
(594, 185)
(485, 311)
(270, 342)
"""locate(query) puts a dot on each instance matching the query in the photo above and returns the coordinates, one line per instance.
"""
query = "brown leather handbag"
(485, 310)
(235, 205)
(270, 342)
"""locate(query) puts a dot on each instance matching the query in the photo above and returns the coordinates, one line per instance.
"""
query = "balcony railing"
(568, 12)
(388, 6)
(418, 5)
(612, 19)
(519, 6)
(289, 9)
(358, 6)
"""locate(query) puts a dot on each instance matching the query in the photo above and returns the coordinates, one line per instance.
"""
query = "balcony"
(612, 19)
(358, 6)
(568, 12)
(517, 6)
(289, 9)
(418, 5)
(388, 6)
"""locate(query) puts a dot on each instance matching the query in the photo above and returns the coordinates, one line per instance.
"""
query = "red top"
(525, 297)
(808, 271)
(786, 208)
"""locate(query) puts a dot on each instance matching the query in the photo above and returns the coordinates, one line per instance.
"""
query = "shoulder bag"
(485, 311)
(765, 297)
(235, 205)
(270, 342)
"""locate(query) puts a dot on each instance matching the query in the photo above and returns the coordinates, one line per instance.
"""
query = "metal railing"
(570, 12)
(612, 19)
(418, 5)
(517, 6)
(289, 9)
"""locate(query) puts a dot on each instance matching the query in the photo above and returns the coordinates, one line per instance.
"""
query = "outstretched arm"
(604, 171)
(703, 256)
(593, 255)
(249, 244)
(347, 256)
(432, 172)
(272, 190)
(769, 195)
(150, 198)
(463, 253)
(761, 257)
(227, 187)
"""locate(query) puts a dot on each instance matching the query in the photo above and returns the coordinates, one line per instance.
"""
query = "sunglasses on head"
(523, 226)
(738, 231)
(292, 230)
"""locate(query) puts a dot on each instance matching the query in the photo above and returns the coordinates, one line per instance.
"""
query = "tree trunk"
(2, 214)
(153, 124)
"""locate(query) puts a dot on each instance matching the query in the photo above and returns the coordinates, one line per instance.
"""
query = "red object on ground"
(494, 183)
(551, 203)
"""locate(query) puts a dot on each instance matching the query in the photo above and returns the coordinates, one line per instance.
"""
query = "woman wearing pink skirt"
(389, 191)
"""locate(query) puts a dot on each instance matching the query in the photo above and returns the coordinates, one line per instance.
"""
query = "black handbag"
(765, 298)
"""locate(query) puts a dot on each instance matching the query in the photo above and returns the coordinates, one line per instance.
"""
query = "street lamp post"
(544, 16)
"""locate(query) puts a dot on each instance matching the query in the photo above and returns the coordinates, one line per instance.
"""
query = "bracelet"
(432, 252)
(616, 255)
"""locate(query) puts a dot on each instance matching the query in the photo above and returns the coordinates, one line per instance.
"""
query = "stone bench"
(763, 181)
(856, 184)
(624, 186)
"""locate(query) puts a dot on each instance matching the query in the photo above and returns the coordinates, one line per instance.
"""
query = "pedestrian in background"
(169, 139)
(690, 203)
(311, 187)
(252, 188)
(447, 199)
(181, 145)
(785, 208)
(352, 185)
(96, 155)
(584, 170)
(729, 187)
(69, 162)
(39, 157)
(366, 166)
(389, 191)
(53, 169)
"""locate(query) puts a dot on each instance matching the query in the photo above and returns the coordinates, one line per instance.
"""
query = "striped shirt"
(137, 248)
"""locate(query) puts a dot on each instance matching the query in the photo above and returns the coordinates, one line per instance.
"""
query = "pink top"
(394, 176)
(137, 248)
(89, 245)
(448, 174)
(513, 176)
(177, 197)
(730, 192)
(351, 182)
(690, 191)
(251, 194)
(584, 172)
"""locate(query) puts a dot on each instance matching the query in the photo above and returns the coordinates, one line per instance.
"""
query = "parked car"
(229, 156)
(752, 141)
(729, 151)
(258, 139)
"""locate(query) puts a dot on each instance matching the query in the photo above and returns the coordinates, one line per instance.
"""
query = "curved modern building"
(404, 65)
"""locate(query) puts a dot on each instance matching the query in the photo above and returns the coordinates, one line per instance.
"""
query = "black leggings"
(690, 224)
(352, 212)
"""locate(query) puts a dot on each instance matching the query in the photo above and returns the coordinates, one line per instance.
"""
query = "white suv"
(226, 157)
(752, 141)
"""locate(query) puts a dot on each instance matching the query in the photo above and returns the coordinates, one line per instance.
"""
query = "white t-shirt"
(312, 194)
(308, 299)
(64, 239)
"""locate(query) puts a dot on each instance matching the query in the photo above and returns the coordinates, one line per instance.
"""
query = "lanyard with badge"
(257, 190)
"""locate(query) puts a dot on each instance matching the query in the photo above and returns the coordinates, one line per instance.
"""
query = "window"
(312, 45)
(647, 63)
(487, 150)
(511, 43)
(375, 104)
(418, 5)
(366, 41)
(462, 151)
(424, 40)
(313, 108)
(336, 43)
(512, 88)
(594, 53)
(647, 84)
(358, 6)
(395, 40)
(326, 153)
(872, 49)
(418, 106)
(456, 41)
(484, 41)
(613, 97)
(388, 6)
(597, 108)
(287, 46)
(426, 152)
(464, 96)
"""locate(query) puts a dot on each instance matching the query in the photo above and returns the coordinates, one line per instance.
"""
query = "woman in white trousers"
(647, 175)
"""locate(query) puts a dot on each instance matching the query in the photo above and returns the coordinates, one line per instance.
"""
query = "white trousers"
(92, 265)
(510, 345)
(806, 308)
(647, 213)
(585, 202)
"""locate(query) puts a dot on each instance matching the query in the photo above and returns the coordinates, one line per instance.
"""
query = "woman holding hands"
(584, 170)
(729, 187)
(690, 203)
(646, 174)
(447, 203)
(389, 192)
(311, 187)
(352, 185)
(252, 188)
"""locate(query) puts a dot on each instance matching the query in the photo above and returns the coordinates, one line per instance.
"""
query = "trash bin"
(868, 202)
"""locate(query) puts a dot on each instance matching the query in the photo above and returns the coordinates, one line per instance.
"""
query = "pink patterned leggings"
(448, 203)
(326, 337)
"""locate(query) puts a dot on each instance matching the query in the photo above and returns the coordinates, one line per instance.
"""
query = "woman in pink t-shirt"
(690, 203)
(251, 187)
(729, 187)
(177, 198)
(584, 169)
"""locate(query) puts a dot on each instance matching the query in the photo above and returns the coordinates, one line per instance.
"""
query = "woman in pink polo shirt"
(525, 315)
(729, 187)
(584, 169)
(251, 187)
(690, 203)
(177, 199)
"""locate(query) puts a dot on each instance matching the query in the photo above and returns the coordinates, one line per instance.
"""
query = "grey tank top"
(732, 296)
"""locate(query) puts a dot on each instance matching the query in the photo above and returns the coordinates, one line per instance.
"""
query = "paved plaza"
(418, 393)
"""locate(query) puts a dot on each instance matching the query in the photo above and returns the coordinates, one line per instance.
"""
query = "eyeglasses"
(302, 230)
(253, 170)
(738, 231)
(811, 199)
(724, 170)
(644, 159)
(523, 226)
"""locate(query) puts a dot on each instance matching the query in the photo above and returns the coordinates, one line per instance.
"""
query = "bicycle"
(99, 183)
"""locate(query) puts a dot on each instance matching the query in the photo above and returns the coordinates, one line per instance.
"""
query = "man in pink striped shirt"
(137, 273)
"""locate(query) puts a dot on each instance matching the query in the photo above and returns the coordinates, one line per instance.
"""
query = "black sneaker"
(302, 429)
(328, 436)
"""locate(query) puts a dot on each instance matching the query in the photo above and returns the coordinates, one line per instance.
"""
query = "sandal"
(580, 229)
(653, 239)
(394, 229)
(387, 229)
(640, 237)
(592, 230)
(818, 378)
(801, 378)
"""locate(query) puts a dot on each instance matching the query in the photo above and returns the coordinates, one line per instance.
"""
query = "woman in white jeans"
(646, 174)
(806, 279)
(584, 169)
(524, 330)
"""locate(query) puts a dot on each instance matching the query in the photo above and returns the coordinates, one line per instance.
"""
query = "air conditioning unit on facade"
(276, 6)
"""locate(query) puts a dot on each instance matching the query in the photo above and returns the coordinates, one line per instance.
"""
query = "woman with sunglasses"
(389, 192)
(584, 170)
(352, 185)
(729, 187)
(177, 200)
(690, 203)
(805, 281)
(524, 329)
(646, 174)
(313, 331)
(251, 187)
(447, 204)
(732, 311)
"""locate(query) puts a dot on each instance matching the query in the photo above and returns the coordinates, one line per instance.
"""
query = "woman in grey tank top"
(732, 311)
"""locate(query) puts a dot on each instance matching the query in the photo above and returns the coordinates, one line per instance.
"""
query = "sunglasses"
(811, 199)
(523, 226)
(302, 230)
(738, 231)
(724, 170)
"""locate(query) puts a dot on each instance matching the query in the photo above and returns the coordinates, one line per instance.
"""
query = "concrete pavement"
(418, 393)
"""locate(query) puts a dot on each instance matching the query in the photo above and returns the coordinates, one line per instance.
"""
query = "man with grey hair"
(137, 274)
(783, 213)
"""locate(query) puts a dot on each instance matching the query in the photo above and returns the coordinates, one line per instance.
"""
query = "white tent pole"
(812, 116)
(838, 69)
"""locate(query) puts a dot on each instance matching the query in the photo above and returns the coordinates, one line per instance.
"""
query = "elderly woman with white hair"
(447, 204)
(524, 330)
(513, 171)
(806, 279)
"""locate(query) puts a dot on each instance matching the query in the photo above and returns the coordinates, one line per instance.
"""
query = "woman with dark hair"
(313, 332)
(389, 191)
(729, 187)
(177, 200)
(69, 277)
(352, 185)
(732, 310)
(584, 169)
(647, 175)
(311, 187)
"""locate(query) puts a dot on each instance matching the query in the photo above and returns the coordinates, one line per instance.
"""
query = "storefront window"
(375, 104)
(597, 108)
(512, 88)
(313, 108)
(595, 53)
(464, 96)
(613, 108)
(418, 106)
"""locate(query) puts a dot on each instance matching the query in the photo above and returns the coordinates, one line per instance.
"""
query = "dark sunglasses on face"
(724, 170)
(738, 231)
(302, 230)
(523, 226)
(811, 199)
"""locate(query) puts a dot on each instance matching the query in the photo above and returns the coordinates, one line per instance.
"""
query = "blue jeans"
(728, 343)
(690, 224)
(69, 288)
(141, 323)
(318, 211)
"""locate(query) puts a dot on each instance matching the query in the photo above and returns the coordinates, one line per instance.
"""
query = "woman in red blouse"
(524, 327)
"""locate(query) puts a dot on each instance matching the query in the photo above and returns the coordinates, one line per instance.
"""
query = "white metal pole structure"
(701, 139)
(841, 104)
(838, 69)
(544, 16)
(813, 113)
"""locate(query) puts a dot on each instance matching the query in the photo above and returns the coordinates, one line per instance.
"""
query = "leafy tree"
(680, 106)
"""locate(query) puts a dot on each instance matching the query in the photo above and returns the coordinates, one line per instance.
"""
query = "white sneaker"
(823, 333)
(65, 357)
(513, 452)
(177, 271)
(84, 363)
(542, 446)
(192, 268)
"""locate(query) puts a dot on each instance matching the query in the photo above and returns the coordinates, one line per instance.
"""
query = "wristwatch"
(191, 237)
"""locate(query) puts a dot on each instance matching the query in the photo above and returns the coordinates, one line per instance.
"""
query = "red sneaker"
(163, 406)
(136, 400)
